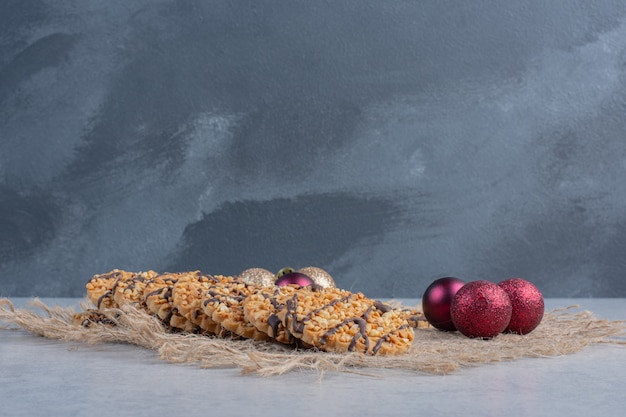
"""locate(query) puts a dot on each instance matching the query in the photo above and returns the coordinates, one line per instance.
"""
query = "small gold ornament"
(259, 276)
(319, 276)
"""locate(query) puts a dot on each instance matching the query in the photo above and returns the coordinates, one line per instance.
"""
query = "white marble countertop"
(39, 376)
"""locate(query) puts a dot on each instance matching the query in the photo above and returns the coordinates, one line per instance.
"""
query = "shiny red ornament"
(481, 309)
(436, 302)
(293, 278)
(527, 303)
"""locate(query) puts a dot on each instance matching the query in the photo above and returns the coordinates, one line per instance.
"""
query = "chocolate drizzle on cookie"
(292, 306)
(134, 282)
(168, 318)
(361, 334)
(274, 322)
(164, 292)
(103, 297)
(382, 307)
(386, 338)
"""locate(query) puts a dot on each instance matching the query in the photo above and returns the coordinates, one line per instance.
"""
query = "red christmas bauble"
(481, 309)
(436, 302)
(527, 303)
(293, 278)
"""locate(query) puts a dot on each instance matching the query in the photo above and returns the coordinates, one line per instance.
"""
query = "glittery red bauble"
(481, 309)
(293, 278)
(527, 303)
(436, 302)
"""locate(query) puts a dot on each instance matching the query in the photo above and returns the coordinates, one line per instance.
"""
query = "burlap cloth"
(562, 331)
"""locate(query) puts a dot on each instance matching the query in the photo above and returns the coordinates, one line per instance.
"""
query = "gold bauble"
(319, 276)
(259, 276)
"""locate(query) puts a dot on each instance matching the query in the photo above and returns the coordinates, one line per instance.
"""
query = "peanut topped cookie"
(187, 297)
(223, 302)
(91, 317)
(130, 291)
(380, 330)
(261, 309)
(158, 299)
(337, 320)
(100, 287)
(332, 302)
(415, 318)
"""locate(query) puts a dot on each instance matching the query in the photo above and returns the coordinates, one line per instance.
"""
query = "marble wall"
(390, 143)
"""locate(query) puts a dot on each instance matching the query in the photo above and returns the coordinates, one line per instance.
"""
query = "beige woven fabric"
(563, 331)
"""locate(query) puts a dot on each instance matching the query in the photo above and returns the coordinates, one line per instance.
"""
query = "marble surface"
(39, 376)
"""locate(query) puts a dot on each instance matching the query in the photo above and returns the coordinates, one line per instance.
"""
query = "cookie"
(100, 287)
(90, 317)
(379, 330)
(130, 291)
(261, 308)
(337, 320)
(187, 300)
(301, 305)
(415, 318)
(223, 302)
(158, 300)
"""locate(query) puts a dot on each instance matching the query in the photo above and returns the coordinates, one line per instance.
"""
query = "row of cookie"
(329, 319)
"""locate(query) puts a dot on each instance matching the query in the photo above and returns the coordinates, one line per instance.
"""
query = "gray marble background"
(389, 142)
